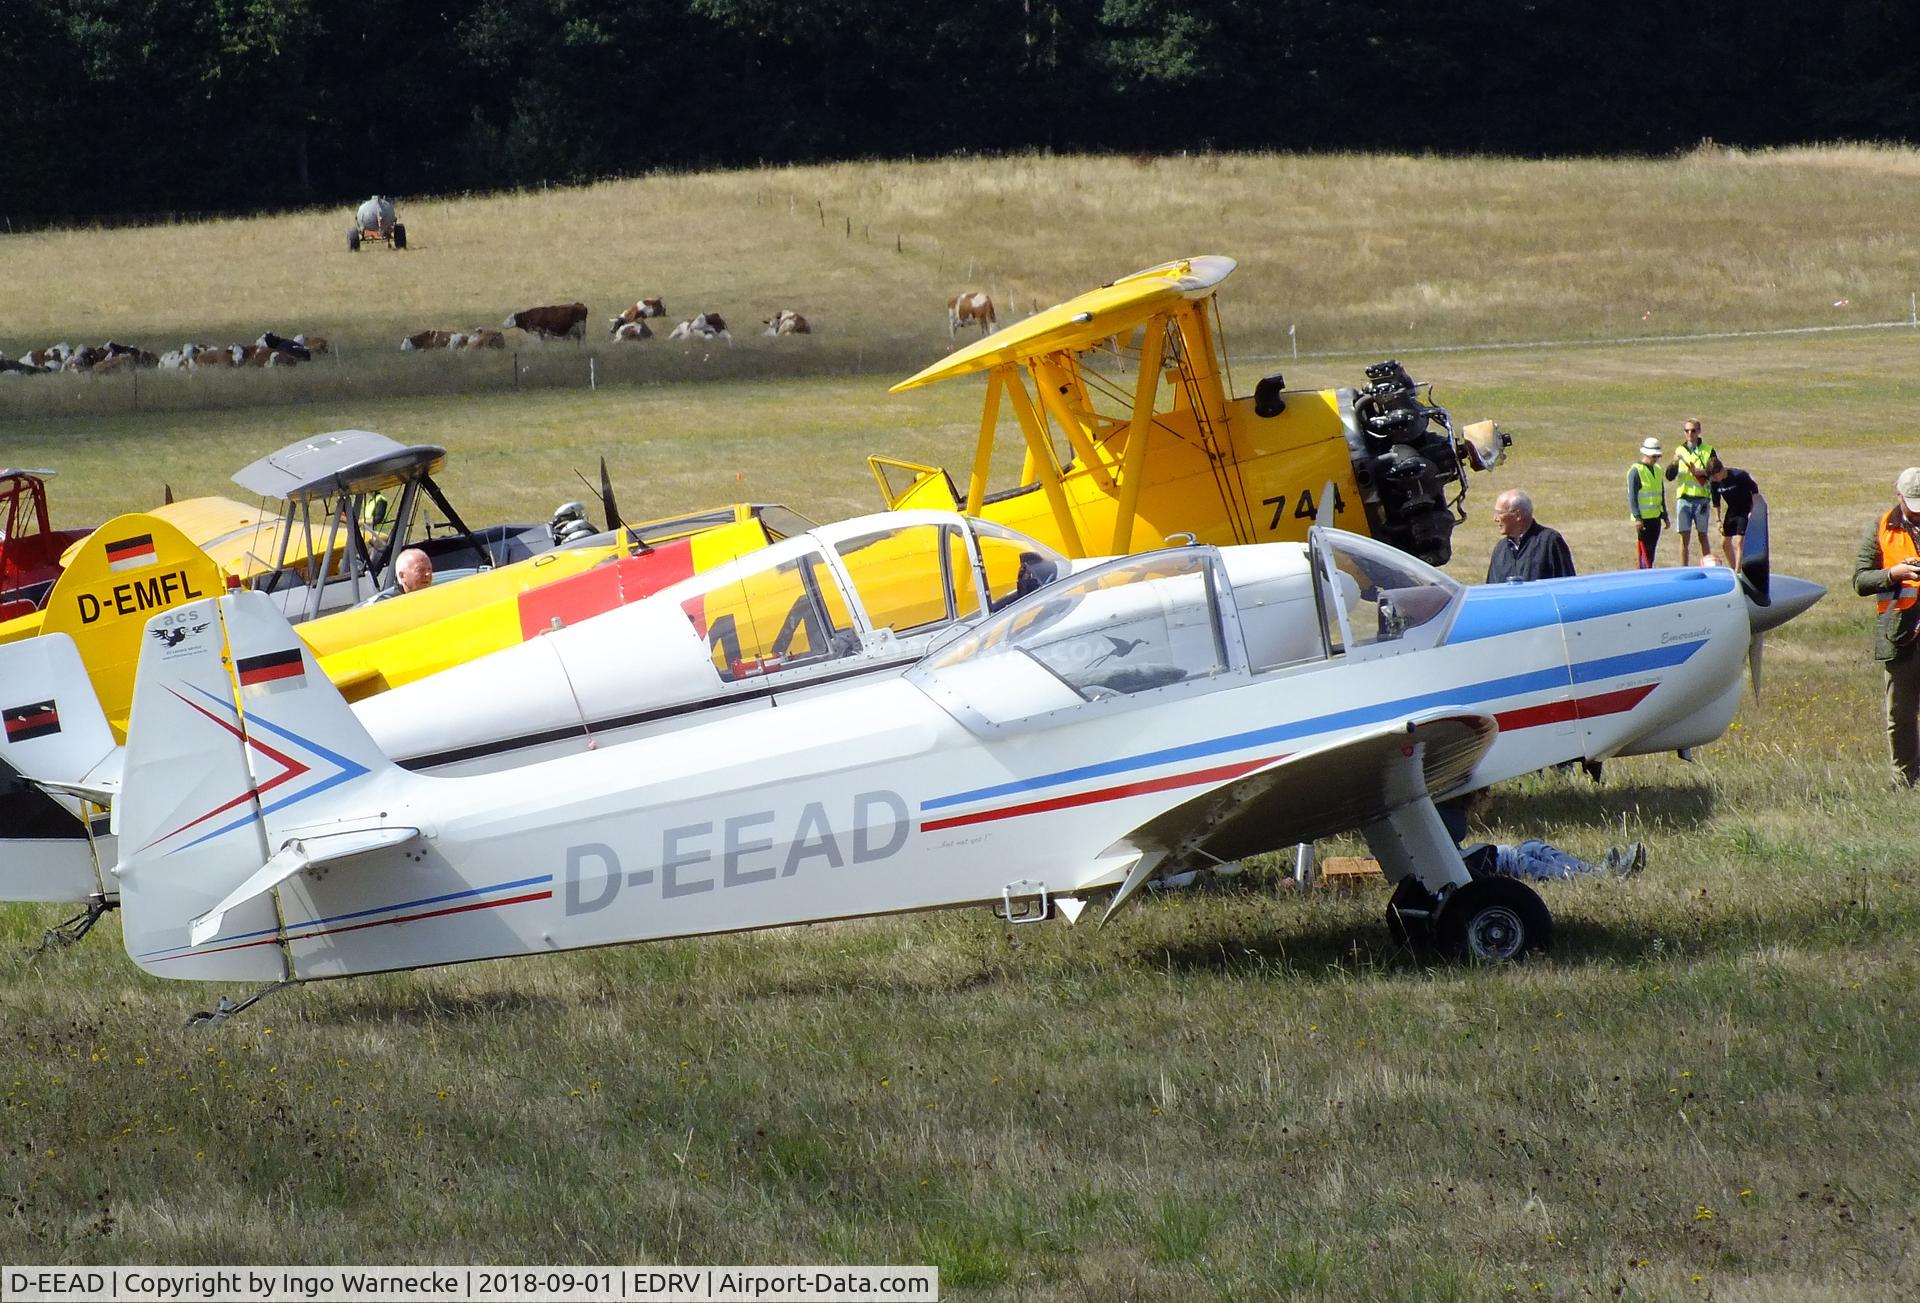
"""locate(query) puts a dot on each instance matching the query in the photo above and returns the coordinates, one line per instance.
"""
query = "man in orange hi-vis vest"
(1887, 568)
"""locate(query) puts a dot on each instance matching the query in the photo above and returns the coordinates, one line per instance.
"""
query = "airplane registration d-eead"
(1144, 715)
(1115, 463)
(805, 616)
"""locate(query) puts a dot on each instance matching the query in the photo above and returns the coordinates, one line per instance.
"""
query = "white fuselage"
(884, 797)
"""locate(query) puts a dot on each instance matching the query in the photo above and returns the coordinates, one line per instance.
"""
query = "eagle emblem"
(174, 635)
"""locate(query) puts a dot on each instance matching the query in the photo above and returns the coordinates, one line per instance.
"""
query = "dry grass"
(1358, 251)
(1706, 1091)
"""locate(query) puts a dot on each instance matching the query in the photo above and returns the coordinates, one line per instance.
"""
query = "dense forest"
(153, 106)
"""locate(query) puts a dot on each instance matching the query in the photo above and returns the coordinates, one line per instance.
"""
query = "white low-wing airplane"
(803, 617)
(1146, 715)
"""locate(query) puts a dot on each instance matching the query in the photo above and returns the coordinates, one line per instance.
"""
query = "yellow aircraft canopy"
(1085, 320)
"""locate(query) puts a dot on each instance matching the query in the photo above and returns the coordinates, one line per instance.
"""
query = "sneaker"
(1624, 862)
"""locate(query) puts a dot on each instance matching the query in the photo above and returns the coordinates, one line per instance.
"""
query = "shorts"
(1695, 515)
(1733, 527)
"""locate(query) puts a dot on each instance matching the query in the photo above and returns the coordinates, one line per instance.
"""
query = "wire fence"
(1499, 346)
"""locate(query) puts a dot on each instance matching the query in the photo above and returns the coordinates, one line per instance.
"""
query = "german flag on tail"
(24, 723)
(130, 553)
(271, 672)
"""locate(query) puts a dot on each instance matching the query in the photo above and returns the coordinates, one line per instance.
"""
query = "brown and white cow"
(564, 321)
(970, 308)
(199, 355)
(315, 344)
(635, 330)
(641, 310)
(425, 339)
(51, 358)
(130, 359)
(786, 322)
(483, 338)
(708, 325)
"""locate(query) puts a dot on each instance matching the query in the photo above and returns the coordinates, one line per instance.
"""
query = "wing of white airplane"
(1377, 781)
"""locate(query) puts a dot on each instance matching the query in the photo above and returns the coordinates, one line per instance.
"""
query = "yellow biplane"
(1113, 466)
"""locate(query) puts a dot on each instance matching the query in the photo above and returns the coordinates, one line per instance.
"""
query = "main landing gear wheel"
(1494, 920)
(353, 240)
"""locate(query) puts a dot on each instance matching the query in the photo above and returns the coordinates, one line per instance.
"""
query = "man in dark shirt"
(1527, 549)
(1733, 495)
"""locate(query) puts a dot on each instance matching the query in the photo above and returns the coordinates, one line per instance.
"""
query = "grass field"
(1707, 1090)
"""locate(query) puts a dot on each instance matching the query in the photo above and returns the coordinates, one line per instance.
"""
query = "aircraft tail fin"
(115, 580)
(236, 743)
(54, 727)
(55, 742)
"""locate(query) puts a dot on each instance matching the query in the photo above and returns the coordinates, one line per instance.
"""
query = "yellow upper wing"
(1085, 320)
(239, 538)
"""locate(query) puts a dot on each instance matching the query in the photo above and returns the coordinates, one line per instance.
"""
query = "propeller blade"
(1328, 496)
(1753, 661)
(1755, 565)
(168, 490)
(606, 497)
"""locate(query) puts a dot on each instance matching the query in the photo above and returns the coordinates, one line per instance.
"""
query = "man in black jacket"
(1527, 549)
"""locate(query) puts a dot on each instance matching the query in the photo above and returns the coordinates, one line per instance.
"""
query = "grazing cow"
(315, 344)
(568, 321)
(632, 330)
(970, 308)
(708, 325)
(786, 322)
(641, 309)
(426, 339)
(280, 344)
(482, 338)
(252, 355)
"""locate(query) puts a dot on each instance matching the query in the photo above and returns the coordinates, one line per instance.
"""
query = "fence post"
(515, 355)
(593, 379)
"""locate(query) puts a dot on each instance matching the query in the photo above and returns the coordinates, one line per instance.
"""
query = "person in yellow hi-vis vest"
(1693, 493)
(1887, 568)
(1647, 500)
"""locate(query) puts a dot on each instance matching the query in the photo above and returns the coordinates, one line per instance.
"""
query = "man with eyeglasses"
(1693, 491)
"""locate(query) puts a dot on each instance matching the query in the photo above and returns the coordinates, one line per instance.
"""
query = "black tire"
(399, 236)
(1410, 915)
(1494, 921)
(353, 240)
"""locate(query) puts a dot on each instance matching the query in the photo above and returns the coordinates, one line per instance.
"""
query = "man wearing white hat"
(1647, 499)
(1887, 567)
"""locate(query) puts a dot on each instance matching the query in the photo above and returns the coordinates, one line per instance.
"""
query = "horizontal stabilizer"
(101, 794)
(298, 854)
(1313, 794)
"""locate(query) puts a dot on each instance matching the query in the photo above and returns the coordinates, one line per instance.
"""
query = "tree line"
(144, 106)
